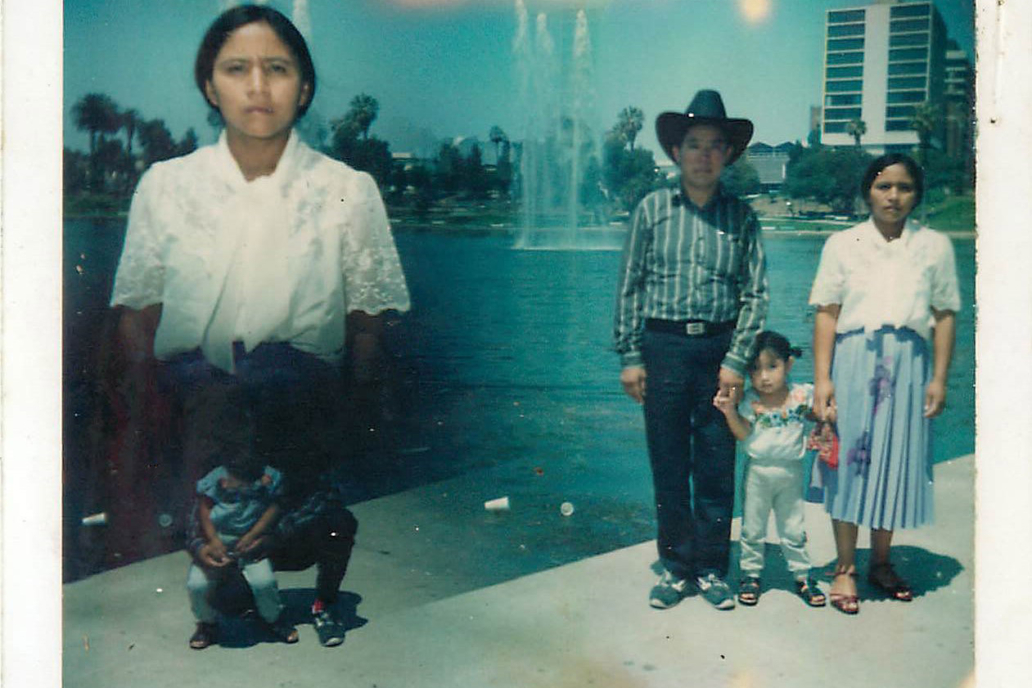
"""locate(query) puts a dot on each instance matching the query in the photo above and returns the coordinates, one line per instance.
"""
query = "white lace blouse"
(879, 282)
(281, 258)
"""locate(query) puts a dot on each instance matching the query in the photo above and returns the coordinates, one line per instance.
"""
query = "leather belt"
(689, 328)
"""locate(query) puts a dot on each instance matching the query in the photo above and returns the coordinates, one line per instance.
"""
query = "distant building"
(770, 163)
(959, 99)
(880, 61)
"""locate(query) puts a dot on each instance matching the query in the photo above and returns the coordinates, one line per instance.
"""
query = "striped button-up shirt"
(682, 262)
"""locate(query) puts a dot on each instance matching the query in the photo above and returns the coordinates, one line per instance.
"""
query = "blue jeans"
(691, 450)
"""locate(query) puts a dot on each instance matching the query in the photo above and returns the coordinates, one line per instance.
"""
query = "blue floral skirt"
(884, 474)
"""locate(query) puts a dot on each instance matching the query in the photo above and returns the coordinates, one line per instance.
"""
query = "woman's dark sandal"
(204, 636)
(884, 578)
(749, 591)
(807, 589)
(845, 603)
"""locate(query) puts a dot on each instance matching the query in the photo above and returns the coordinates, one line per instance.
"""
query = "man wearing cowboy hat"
(692, 298)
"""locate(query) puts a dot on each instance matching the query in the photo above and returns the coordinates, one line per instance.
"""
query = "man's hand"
(247, 543)
(730, 384)
(213, 554)
(633, 380)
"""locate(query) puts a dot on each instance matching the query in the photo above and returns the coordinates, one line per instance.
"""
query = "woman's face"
(892, 196)
(256, 84)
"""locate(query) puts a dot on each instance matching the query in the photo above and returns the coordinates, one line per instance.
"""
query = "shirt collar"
(679, 198)
(230, 170)
(910, 228)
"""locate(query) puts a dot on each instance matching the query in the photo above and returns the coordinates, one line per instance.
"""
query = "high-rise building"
(959, 103)
(881, 62)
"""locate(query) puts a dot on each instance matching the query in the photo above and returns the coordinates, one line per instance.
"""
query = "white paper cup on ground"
(566, 509)
(499, 504)
(95, 519)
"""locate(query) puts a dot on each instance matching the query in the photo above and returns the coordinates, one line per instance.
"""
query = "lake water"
(504, 360)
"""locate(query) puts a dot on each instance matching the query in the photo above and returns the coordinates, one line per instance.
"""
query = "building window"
(850, 99)
(908, 54)
(897, 41)
(897, 68)
(842, 86)
(845, 16)
(908, 26)
(834, 127)
(845, 44)
(841, 113)
(904, 82)
(897, 125)
(906, 97)
(846, 30)
(910, 11)
(845, 58)
(899, 111)
(844, 72)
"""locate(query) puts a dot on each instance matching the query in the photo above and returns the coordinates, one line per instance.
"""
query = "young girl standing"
(886, 296)
(771, 423)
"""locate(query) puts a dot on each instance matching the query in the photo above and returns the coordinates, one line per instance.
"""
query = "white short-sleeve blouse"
(878, 282)
(280, 258)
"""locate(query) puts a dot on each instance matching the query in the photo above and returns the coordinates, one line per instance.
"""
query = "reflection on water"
(505, 359)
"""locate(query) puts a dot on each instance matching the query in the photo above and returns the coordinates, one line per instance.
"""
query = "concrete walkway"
(415, 622)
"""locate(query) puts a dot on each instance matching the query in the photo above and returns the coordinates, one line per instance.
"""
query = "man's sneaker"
(329, 630)
(668, 591)
(715, 591)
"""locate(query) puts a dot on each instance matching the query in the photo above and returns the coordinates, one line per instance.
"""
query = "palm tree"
(97, 114)
(924, 121)
(856, 128)
(629, 123)
(364, 109)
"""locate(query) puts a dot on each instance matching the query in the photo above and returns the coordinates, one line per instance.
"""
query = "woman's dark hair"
(231, 20)
(880, 163)
(775, 343)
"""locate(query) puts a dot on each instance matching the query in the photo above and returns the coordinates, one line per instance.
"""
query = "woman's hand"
(824, 405)
(633, 380)
(213, 554)
(935, 398)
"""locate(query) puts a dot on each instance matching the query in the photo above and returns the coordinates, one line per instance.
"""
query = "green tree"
(741, 178)
(856, 128)
(828, 175)
(363, 112)
(156, 140)
(97, 114)
(503, 170)
(628, 175)
(924, 121)
(188, 144)
(447, 173)
(370, 154)
(130, 119)
(474, 176)
(629, 123)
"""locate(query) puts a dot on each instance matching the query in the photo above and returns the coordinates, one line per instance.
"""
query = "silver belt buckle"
(694, 329)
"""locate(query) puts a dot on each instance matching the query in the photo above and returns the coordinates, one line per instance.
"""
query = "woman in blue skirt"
(886, 296)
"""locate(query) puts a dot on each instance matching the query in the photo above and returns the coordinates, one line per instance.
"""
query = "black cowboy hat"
(706, 108)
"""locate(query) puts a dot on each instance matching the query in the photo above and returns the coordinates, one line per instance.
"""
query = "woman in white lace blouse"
(244, 260)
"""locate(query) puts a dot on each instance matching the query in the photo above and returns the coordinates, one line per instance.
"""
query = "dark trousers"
(691, 450)
(295, 400)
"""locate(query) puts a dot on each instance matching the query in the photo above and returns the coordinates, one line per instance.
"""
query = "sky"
(446, 68)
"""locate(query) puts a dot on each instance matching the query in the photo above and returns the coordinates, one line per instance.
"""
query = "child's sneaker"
(715, 591)
(205, 635)
(668, 591)
(283, 630)
(328, 628)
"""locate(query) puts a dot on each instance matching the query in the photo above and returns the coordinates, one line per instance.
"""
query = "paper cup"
(500, 504)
